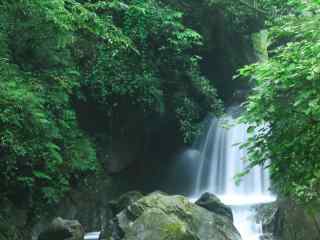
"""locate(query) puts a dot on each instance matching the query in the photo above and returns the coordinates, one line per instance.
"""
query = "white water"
(92, 236)
(220, 160)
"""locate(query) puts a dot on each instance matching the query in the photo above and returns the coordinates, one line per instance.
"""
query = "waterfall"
(220, 158)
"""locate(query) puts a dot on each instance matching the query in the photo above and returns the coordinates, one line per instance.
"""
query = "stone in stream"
(159, 216)
(61, 229)
(212, 203)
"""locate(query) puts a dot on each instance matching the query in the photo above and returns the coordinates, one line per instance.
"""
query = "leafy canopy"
(112, 57)
(161, 75)
(284, 107)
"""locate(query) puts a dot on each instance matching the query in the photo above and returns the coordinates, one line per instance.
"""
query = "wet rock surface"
(212, 203)
(159, 216)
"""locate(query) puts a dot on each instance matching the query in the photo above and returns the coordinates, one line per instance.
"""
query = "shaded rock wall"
(228, 43)
(285, 220)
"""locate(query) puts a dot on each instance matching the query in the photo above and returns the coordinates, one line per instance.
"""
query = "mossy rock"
(156, 225)
(162, 217)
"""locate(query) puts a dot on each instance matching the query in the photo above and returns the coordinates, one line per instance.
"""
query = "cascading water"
(220, 160)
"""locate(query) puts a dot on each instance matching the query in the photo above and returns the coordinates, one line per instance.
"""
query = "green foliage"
(162, 66)
(278, 8)
(42, 150)
(114, 55)
(284, 108)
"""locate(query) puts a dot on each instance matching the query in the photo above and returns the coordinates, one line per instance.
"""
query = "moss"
(174, 230)
(163, 217)
(178, 231)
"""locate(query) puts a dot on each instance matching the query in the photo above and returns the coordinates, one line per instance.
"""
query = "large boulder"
(157, 225)
(61, 229)
(212, 203)
(159, 216)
